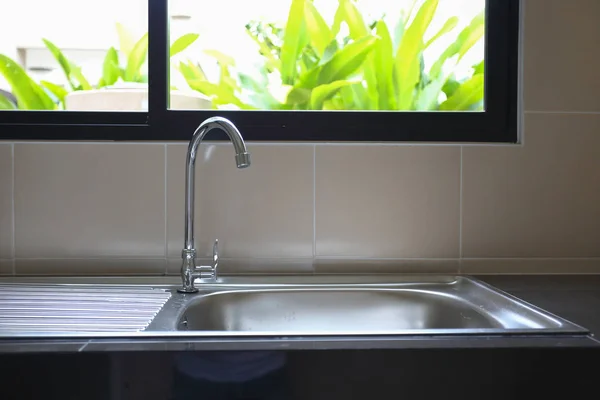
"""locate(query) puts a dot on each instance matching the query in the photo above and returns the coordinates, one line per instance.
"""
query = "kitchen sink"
(375, 305)
(275, 306)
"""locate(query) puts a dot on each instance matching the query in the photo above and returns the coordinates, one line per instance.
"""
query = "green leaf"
(229, 81)
(219, 94)
(324, 92)
(330, 51)
(467, 95)
(6, 104)
(427, 97)
(349, 13)
(398, 34)
(191, 71)
(292, 42)
(64, 63)
(336, 103)
(319, 32)
(448, 27)
(451, 86)
(183, 43)
(411, 10)
(408, 59)
(353, 17)
(383, 58)
(359, 29)
(259, 97)
(78, 75)
(126, 41)
(331, 105)
(436, 69)
(226, 82)
(347, 60)
(204, 87)
(273, 62)
(471, 34)
(136, 59)
(360, 98)
(49, 103)
(22, 86)
(309, 60)
(298, 96)
(222, 59)
(251, 83)
(58, 91)
(479, 68)
(110, 69)
(337, 20)
(309, 79)
(467, 38)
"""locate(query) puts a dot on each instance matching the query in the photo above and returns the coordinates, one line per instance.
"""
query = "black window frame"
(498, 123)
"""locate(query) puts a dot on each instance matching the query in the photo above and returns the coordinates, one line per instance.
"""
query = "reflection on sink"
(428, 305)
(331, 310)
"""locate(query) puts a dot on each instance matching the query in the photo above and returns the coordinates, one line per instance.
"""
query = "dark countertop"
(575, 298)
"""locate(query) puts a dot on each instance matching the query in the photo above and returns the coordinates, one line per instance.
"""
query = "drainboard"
(39, 308)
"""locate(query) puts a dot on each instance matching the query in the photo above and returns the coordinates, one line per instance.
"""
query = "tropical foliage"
(373, 67)
(46, 95)
(352, 63)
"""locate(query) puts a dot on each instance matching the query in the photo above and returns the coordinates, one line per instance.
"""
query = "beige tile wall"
(111, 208)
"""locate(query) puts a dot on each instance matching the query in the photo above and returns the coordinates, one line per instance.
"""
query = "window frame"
(497, 124)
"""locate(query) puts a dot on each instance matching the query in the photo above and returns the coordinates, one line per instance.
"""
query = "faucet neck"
(242, 159)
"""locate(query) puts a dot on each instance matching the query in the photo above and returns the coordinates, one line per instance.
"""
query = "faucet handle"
(209, 272)
(215, 255)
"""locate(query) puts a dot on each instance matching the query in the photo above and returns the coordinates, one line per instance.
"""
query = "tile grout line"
(165, 210)
(352, 258)
(314, 255)
(460, 214)
(347, 258)
(562, 112)
(14, 228)
(532, 258)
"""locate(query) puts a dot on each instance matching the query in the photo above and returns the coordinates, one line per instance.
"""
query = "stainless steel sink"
(394, 305)
(275, 306)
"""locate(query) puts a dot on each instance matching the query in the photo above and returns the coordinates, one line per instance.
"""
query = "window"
(54, 58)
(318, 70)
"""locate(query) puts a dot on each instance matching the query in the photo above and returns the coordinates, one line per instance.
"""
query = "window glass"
(331, 55)
(74, 55)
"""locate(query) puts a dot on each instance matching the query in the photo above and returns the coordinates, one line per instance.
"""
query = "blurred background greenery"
(311, 60)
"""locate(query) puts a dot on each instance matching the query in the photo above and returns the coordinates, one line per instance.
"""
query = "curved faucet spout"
(242, 159)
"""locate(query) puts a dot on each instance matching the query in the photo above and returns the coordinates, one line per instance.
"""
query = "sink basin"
(333, 310)
(375, 305)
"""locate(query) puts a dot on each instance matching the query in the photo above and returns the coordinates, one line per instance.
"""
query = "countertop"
(573, 297)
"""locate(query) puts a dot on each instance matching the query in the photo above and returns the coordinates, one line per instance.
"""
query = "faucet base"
(188, 290)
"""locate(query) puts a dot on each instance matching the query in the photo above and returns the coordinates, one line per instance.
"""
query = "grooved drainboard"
(40, 308)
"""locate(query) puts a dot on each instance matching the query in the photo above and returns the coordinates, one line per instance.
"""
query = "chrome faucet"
(189, 270)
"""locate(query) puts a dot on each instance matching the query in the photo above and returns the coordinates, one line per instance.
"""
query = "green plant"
(49, 96)
(372, 68)
(29, 94)
(136, 55)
